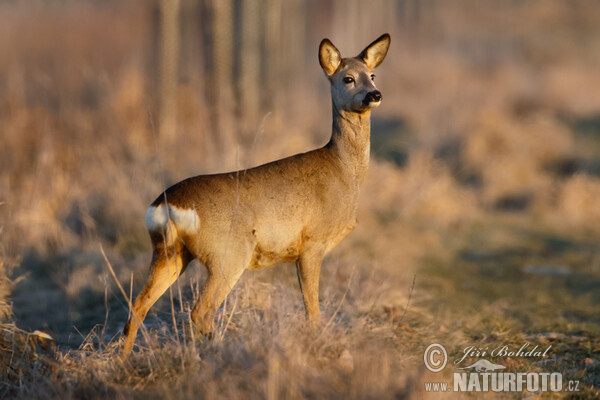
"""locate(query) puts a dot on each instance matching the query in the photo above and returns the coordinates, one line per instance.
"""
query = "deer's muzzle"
(372, 97)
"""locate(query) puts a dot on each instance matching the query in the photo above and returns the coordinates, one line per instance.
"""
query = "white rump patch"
(184, 219)
(156, 218)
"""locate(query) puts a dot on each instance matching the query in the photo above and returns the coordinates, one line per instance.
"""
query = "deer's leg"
(308, 268)
(222, 277)
(168, 262)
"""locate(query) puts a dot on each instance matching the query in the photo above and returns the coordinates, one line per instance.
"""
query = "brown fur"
(291, 210)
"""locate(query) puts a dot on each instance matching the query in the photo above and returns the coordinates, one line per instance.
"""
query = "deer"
(296, 209)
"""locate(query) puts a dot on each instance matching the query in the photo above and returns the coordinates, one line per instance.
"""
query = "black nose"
(373, 96)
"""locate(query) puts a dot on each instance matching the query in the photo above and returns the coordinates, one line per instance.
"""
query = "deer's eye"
(372, 77)
(348, 79)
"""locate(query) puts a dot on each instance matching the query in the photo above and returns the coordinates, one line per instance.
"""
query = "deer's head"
(352, 80)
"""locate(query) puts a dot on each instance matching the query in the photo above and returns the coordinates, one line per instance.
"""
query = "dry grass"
(491, 115)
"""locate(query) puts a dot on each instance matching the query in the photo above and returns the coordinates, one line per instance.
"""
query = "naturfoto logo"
(484, 366)
(484, 375)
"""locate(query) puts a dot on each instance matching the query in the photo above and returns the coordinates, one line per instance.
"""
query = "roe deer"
(294, 209)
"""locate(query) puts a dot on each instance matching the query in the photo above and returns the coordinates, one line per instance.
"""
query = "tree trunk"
(169, 52)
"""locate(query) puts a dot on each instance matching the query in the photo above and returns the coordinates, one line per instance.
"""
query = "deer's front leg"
(217, 287)
(308, 267)
(223, 273)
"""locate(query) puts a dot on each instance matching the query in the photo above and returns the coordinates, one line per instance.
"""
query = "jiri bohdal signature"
(503, 351)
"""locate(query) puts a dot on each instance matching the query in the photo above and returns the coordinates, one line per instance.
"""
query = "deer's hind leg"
(169, 259)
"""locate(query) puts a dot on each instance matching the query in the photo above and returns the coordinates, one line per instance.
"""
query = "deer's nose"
(373, 96)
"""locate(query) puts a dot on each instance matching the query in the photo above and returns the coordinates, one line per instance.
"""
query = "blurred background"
(485, 172)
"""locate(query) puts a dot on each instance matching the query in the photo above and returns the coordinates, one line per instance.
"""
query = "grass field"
(479, 221)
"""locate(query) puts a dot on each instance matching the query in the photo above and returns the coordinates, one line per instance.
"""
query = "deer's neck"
(350, 140)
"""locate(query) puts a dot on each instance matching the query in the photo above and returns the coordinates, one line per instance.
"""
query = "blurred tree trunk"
(220, 98)
(249, 85)
(168, 79)
(347, 23)
(190, 42)
(293, 39)
(271, 51)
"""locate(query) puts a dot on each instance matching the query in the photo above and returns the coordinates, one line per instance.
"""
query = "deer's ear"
(329, 57)
(374, 53)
